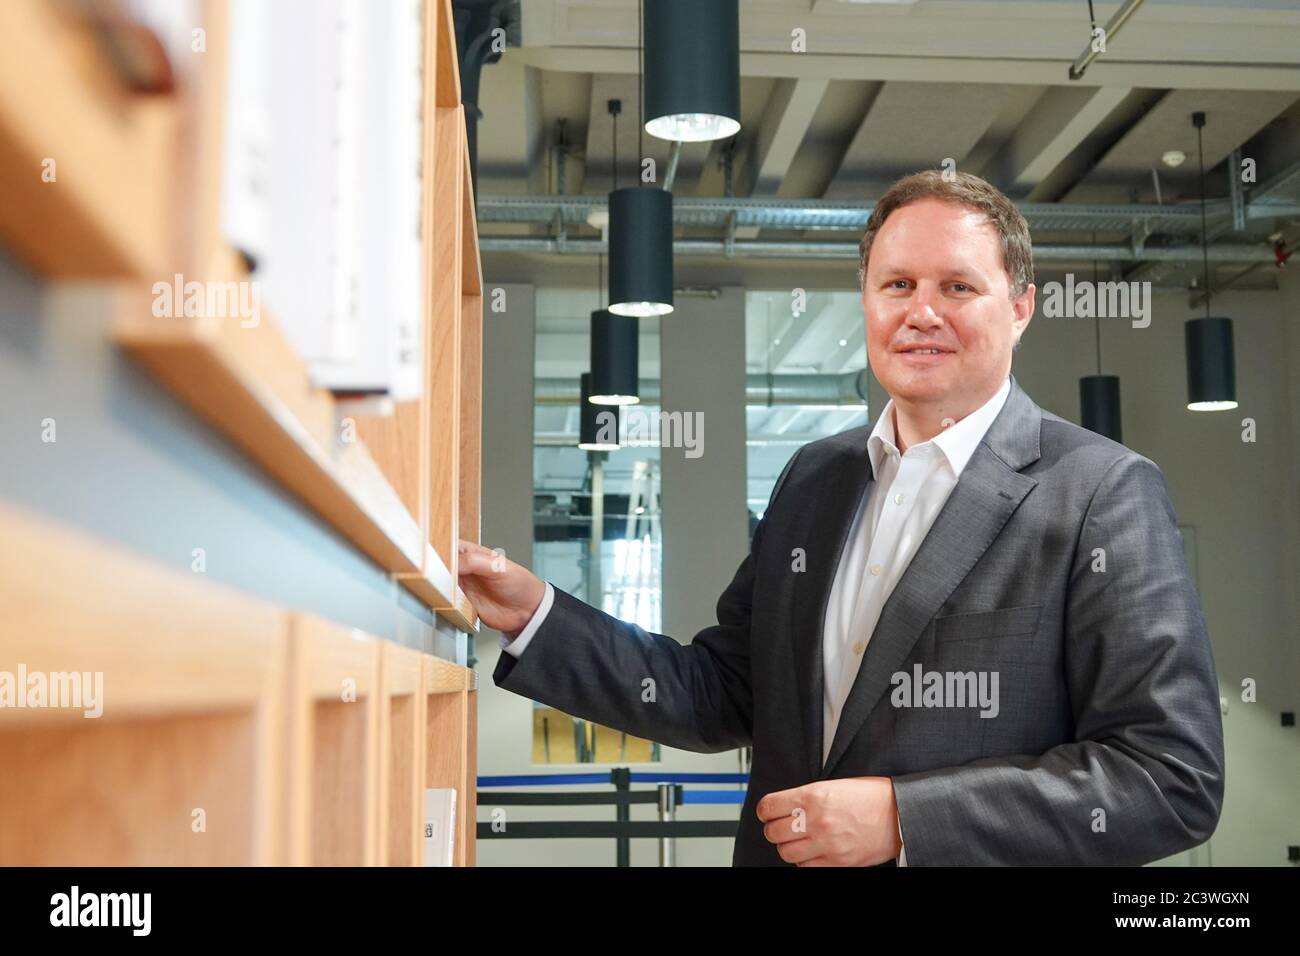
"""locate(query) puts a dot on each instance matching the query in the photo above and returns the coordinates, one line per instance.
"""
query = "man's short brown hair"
(962, 189)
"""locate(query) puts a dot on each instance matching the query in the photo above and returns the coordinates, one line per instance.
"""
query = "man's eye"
(961, 287)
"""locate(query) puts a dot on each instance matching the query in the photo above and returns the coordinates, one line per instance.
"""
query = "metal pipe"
(674, 158)
(823, 214)
(760, 249)
(667, 813)
(845, 389)
(1121, 17)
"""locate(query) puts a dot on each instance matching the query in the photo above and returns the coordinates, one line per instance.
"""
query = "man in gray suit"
(966, 635)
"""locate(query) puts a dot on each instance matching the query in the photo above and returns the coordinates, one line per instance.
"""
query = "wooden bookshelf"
(230, 732)
(181, 765)
(403, 489)
(219, 701)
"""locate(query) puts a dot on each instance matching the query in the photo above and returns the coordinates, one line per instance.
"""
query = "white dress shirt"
(892, 519)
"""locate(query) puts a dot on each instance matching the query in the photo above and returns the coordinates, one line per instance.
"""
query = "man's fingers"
(779, 804)
(471, 547)
(799, 852)
(476, 559)
(782, 830)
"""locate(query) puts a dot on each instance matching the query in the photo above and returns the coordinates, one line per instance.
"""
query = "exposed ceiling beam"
(512, 134)
(942, 120)
(1054, 128)
(1123, 174)
(790, 109)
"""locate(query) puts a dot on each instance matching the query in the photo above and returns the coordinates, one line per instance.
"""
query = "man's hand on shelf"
(505, 595)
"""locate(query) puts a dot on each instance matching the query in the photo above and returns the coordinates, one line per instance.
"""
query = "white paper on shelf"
(439, 826)
(246, 156)
(326, 95)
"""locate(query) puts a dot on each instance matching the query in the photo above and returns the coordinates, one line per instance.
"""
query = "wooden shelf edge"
(447, 84)
(443, 677)
(461, 614)
(471, 258)
(164, 641)
(434, 586)
(104, 213)
(200, 363)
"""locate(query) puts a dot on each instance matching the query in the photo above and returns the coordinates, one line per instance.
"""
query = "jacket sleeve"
(1143, 778)
(695, 696)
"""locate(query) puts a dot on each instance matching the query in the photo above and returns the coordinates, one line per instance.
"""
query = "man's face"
(935, 280)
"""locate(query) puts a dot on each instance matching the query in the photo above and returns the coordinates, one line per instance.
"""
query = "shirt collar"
(957, 442)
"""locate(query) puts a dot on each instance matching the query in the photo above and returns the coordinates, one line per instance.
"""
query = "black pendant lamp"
(640, 252)
(1211, 367)
(613, 359)
(1099, 399)
(1099, 394)
(692, 80)
(598, 427)
(613, 354)
(640, 243)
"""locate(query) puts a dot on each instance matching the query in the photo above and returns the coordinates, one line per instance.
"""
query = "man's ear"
(1022, 308)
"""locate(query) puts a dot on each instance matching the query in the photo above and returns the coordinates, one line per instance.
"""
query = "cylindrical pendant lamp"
(692, 60)
(1099, 401)
(613, 359)
(640, 251)
(1211, 380)
(598, 427)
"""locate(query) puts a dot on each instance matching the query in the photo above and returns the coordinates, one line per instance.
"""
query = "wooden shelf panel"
(248, 383)
(232, 732)
(398, 443)
(107, 212)
(402, 746)
(444, 348)
(446, 63)
(181, 767)
(470, 816)
(471, 415)
(451, 717)
(165, 642)
(279, 420)
(332, 806)
(471, 259)
(130, 793)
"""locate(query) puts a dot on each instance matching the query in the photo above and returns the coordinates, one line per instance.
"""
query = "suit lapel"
(989, 491)
(838, 491)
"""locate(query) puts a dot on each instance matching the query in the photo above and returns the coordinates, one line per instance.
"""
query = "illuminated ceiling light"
(692, 80)
(597, 431)
(1211, 368)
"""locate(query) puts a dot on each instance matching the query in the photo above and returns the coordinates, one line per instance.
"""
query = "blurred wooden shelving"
(230, 732)
(219, 701)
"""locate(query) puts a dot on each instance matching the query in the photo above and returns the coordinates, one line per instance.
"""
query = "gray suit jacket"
(1056, 563)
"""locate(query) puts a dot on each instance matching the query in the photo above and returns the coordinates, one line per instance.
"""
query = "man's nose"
(921, 311)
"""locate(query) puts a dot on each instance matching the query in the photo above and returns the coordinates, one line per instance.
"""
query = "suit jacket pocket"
(1004, 622)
